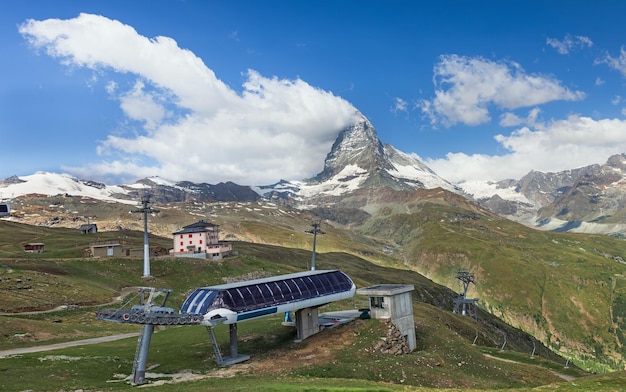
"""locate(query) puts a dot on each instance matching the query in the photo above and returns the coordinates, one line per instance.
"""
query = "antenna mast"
(145, 201)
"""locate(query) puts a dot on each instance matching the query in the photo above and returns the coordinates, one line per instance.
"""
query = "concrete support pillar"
(307, 323)
(233, 340)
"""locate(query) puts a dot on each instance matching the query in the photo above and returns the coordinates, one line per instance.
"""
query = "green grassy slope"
(568, 290)
(565, 289)
(445, 356)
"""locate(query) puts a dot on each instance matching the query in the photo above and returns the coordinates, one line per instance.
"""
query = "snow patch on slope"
(429, 179)
(486, 189)
(54, 183)
(347, 180)
(558, 225)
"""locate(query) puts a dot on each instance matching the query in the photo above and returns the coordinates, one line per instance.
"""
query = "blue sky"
(257, 91)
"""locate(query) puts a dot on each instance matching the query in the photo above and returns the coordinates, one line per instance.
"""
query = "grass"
(445, 357)
(540, 266)
(537, 281)
(356, 367)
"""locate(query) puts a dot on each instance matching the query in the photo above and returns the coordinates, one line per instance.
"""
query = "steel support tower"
(146, 209)
(315, 231)
(465, 304)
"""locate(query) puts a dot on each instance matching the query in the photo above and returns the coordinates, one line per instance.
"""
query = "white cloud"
(569, 43)
(510, 120)
(194, 126)
(559, 145)
(617, 63)
(400, 105)
(139, 105)
(467, 88)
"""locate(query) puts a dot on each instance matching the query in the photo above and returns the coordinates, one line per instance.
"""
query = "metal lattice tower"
(315, 231)
(466, 304)
(146, 209)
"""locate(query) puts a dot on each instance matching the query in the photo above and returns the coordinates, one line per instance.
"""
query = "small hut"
(34, 247)
(90, 228)
(393, 302)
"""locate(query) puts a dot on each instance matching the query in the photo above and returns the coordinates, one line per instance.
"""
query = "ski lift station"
(301, 292)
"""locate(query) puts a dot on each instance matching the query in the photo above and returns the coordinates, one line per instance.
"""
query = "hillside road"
(56, 346)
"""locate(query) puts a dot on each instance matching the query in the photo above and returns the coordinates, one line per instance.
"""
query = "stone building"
(393, 302)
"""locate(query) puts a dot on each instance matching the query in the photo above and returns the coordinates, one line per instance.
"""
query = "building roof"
(103, 244)
(268, 292)
(191, 230)
(87, 226)
(385, 289)
(198, 227)
(112, 245)
(201, 223)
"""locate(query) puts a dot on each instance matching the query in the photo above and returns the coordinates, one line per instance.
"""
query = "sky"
(257, 91)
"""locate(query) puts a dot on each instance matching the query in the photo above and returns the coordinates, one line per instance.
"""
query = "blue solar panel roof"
(260, 293)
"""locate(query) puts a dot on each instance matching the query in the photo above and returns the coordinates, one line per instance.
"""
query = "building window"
(181, 250)
(190, 235)
(200, 241)
(377, 302)
(190, 242)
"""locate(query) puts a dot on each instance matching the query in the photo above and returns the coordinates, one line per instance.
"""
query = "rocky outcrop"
(394, 343)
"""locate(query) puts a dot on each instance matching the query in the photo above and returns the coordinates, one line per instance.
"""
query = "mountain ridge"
(586, 199)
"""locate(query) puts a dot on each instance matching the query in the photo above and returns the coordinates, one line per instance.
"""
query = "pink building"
(200, 239)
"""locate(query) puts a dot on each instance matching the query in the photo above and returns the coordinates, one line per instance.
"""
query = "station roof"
(385, 289)
(266, 292)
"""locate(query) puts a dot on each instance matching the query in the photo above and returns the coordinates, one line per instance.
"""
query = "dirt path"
(49, 347)
(25, 350)
(123, 293)
(563, 376)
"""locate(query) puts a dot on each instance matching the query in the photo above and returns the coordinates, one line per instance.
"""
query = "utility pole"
(145, 201)
(315, 230)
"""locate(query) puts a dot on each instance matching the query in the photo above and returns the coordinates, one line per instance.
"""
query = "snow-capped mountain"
(590, 198)
(358, 160)
(160, 190)
(358, 154)
(586, 199)
(163, 191)
(49, 184)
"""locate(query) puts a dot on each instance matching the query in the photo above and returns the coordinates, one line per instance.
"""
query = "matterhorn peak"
(357, 145)
(358, 159)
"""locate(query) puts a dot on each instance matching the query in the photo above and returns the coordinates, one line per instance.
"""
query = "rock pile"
(394, 343)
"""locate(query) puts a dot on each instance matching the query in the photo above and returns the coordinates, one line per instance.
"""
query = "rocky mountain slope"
(587, 199)
(358, 160)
